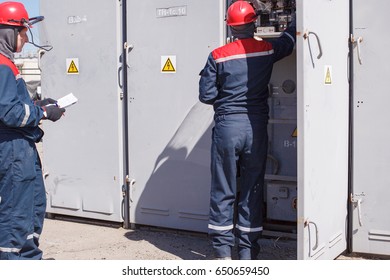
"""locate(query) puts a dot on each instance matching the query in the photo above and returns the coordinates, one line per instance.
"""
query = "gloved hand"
(52, 112)
(45, 102)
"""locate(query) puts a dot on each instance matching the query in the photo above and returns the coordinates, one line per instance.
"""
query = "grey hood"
(8, 41)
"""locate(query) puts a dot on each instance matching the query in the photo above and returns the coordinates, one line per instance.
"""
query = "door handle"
(40, 54)
(306, 35)
(128, 48)
(358, 42)
(357, 199)
(307, 225)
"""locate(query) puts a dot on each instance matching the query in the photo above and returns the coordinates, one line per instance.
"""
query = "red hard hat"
(14, 14)
(240, 12)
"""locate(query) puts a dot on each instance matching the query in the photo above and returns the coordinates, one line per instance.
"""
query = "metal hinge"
(357, 42)
(128, 182)
(357, 199)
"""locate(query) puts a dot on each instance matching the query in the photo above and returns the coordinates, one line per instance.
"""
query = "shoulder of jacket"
(5, 61)
(245, 46)
(225, 50)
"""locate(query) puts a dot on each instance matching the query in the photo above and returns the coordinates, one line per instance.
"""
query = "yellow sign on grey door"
(72, 66)
(328, 75)
(168, 64)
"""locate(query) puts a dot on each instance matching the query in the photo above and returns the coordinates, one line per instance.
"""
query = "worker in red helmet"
(235, 81)
(22, 192)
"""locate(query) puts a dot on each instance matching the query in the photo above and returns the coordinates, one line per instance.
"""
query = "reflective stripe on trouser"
(31, 249)
(23, 200)
(243, 138)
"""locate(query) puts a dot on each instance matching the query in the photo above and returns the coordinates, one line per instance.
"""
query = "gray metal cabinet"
(81, 152)
(169, 129)
(156, 127)
(322, 127)
(371, 156)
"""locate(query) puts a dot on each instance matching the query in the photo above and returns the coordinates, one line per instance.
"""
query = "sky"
(32, 7)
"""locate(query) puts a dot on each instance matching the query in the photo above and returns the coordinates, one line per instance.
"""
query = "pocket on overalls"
(24, 160)
(5, 158)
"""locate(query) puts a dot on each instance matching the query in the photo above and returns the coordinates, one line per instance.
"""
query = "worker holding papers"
(22, 191)
(53, 113)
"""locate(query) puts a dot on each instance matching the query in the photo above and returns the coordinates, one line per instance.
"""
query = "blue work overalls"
(22, 193)
(235, 81)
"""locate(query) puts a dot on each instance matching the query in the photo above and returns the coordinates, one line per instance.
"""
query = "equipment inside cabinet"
(274, 16)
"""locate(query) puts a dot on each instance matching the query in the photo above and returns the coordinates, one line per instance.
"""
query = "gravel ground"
(72, 240)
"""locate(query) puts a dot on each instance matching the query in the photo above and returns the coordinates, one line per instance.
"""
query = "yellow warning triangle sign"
(73, 68)
(328, 77)
(295, 133)
(168, 66)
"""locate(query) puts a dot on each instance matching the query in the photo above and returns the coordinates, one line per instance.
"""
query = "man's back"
(236, 76)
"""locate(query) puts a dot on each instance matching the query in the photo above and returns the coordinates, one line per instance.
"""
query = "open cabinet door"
(322, 76)
(371, 155)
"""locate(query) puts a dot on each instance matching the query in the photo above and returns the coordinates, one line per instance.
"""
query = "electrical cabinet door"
(322, 82)
(371, 156)
(81, 152)
(169, 129)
